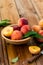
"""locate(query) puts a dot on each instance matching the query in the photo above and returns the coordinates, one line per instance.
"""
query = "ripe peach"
(34, 49)
(41, 23)
(25, 29)
(36, 28)
(16, 35)
(22, 21)
(41, 33)
(16, 27)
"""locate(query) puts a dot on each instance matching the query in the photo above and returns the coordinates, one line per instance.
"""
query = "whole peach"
(22, 21)
(25, 29)
(36, 28)
(16, 27)
(41, 23)
(16, 35)
(41, 33)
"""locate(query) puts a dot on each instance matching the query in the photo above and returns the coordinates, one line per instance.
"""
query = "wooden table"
(13, 10)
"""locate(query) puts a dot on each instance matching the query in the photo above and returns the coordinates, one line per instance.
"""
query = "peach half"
(8, 31)
(34, 49)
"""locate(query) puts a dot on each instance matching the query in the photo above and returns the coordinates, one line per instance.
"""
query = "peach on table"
(34, 49)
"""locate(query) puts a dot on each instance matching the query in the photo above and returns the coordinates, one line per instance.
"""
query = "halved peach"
(34, 49)
(8, 31)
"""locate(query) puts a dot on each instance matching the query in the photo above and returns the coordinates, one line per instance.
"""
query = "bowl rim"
(10, 39)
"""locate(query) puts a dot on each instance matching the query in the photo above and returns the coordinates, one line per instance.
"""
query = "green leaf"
(4, 22)
(32, 34)
(38, 36)
(14, 60)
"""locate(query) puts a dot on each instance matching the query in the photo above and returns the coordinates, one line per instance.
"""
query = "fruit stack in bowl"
(16, 32)
(22, 32)
(39, 29)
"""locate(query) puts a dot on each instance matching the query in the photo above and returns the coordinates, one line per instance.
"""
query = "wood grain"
(25, 12)
(39, 6)
(36, 9)
(13, 10)
(8, 10)
(2, 53)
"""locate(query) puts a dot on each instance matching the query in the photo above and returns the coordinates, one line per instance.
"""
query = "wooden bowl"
(22, 41)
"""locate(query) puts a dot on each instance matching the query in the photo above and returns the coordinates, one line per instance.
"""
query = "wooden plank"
(36, 9)
(40, 61)
(9, 11)
(1, 48)
(39, 6)
(1, 54)
(6, 62)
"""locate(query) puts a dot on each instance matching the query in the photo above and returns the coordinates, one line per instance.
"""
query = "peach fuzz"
(36, 28)
(22, 21)
(16, 35)
(25, 29)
